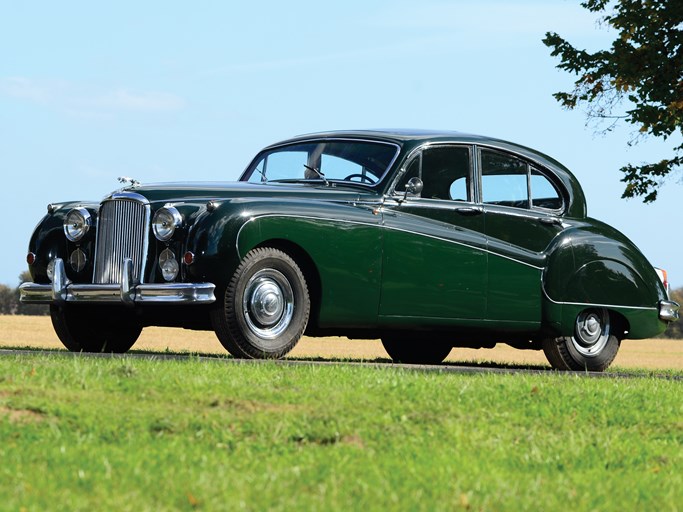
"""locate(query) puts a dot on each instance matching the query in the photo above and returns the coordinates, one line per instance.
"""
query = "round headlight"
(76, 224)
(165, 222)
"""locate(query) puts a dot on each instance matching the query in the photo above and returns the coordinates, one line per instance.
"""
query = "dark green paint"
(377, 261)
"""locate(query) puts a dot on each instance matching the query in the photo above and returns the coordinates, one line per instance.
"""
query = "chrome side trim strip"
(360, 223)
(595, 305)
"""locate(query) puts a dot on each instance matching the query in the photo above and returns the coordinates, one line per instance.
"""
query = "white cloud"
(88, 100)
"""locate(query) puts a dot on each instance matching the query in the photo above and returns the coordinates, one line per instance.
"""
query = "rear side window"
(507, 180)
(504, 180)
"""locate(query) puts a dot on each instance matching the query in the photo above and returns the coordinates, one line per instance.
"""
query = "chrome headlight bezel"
(77, 224)
(166, 220)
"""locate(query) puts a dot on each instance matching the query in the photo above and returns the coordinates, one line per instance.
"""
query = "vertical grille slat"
(122, 232)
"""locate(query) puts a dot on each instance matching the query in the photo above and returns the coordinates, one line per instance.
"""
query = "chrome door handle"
(550, 221)
(470, 210)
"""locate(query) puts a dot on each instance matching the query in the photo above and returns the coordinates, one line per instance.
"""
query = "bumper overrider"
(668, 310)
(61, 290)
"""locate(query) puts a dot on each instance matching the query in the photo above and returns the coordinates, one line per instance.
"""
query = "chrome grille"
(122, 232)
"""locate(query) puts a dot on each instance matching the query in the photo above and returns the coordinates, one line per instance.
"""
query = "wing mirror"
(413, 187)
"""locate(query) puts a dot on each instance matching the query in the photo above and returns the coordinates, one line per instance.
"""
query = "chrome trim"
(87, 223)
(61, 290)
(122, 194)
(268, 149)
(391, 189)
(59, 282)
(475, 159)
(175, 216)
(127, 283)
(594, 305)
(381, 226)
(121, 233)
(669, 310)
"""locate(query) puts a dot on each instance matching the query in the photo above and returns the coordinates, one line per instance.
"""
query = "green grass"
(125, 434)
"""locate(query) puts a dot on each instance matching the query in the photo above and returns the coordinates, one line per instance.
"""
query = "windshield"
(351, 160)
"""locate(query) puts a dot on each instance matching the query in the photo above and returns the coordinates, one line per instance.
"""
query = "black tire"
(592, 348)
(406, 350)
(266, 306)
(95, 329)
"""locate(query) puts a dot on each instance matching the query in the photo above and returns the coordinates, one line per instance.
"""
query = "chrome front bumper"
(62, 290)
(668, 310)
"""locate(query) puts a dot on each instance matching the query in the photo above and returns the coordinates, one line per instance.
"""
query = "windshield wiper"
(319, 173)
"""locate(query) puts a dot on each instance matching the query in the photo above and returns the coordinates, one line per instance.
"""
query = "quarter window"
(543, 192)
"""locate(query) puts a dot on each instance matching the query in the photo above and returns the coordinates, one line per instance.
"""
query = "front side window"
(445, 172)
(353, 161)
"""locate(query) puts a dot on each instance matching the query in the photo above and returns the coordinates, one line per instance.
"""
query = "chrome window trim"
(542, 169)
(392, 192)
(326, 139)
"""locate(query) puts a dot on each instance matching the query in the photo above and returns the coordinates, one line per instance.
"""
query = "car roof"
(410, 138)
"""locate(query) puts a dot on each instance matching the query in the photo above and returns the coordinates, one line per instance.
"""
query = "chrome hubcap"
(591, 333)
(268, 303)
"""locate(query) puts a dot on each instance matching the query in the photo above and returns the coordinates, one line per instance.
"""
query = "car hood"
(207, 191)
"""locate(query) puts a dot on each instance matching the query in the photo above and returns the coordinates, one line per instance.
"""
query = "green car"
(427, 240)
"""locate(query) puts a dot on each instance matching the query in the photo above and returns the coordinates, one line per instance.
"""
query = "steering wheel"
(362, 177)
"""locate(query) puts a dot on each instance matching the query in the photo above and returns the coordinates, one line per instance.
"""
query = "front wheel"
(95, 329)
(593, 347)
(265, 308)
(405, 350)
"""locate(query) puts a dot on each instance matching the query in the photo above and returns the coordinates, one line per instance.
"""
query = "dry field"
(36, 332)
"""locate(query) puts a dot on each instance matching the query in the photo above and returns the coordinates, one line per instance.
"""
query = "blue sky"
(167, 91)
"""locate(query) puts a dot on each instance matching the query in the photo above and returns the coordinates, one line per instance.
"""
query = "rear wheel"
(265, 308)
(593, 346)
(95, 329)
(406, 350)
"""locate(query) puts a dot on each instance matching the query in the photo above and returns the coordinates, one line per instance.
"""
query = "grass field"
(126, 434)
(123, 434)
(37, 332)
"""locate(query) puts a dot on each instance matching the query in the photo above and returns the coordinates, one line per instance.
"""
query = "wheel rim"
(591, 332)
(268, 303)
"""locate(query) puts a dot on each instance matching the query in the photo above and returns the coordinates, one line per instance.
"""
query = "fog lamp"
(168, 264)
(78, 260)
(51, 270)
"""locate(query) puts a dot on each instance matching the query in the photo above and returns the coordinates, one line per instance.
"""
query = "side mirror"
(414, 187)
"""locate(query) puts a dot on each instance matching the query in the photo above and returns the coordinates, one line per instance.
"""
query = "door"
(434, 261)
(522, 208)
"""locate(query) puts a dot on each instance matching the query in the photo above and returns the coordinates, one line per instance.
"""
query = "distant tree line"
(10, 305)
(675, 329)
(9, 301)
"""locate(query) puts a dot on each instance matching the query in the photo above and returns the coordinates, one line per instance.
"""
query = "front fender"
(49, 242)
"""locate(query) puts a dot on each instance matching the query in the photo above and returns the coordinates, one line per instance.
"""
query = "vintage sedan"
(427, 240)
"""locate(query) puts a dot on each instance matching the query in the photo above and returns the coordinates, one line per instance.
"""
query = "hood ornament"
(125, 179)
